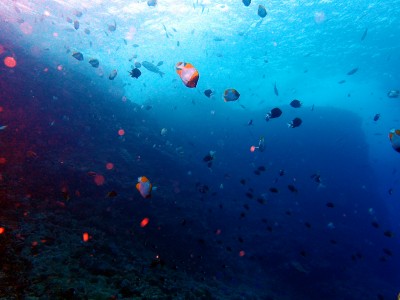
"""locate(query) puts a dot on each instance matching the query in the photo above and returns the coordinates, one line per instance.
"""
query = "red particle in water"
(2, 160)
(2, 230)
(1, 109)
(121, 132)
(242, 253)
(99, 179)
(85, 237)
(109, 166)
(144, 222)
(10, 62)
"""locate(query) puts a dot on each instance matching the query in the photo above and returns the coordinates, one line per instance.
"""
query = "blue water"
(231, 230)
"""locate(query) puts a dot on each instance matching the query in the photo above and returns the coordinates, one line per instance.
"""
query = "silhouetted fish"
(78, 55)
(364, 34)
(276, 90)
(351, 72)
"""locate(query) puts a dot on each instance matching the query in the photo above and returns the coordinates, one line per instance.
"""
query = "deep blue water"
(229, 231)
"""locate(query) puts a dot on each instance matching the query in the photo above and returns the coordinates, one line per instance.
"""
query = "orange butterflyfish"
(394, 136)
(188, 74)
(144, 187)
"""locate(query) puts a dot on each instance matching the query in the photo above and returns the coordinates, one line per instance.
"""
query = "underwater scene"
(200, 149)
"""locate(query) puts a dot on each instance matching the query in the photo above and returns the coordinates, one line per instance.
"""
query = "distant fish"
(144, 187)
(160, 63)
(262, 12)
(292, 188)
(94, 62)
(393, 93)
(151, 2)
(296, 122)
(188, 73)
(208, 93)
(135, 73)
(78, 13)
(76, 25)
(113, 74)
(342, 81)
(376, 117)
(274, 113)
(87, 31)
(351, 72)
(78, 55)
(111, 194)
(112, 27)
(394, 137)
(246, 2)
(364, 34)
(295, 103)
(276, 90)
(274, 190)
(231, 95)
(152, 68)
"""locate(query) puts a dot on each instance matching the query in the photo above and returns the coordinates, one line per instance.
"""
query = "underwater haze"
(162, 149)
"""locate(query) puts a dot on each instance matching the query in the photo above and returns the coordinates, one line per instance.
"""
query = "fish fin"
(138, 186)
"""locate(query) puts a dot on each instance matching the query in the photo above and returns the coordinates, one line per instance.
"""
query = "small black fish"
(208, 93)
(113, 74)
(78, 56)
(390, 191)
(246, 2)
(261, 200)
(376, 117)
(76, 25)
(342, 81)
(295, 103)
(276, 90)
(273, 190)
(94, 62)
(250, 122)
(308, 225)
(351, 72)
(135, 73)
(261, 168)
(274, 113)
(243, 181)
(281, 172)
(257, 172)
(387, 251)
(330, 205)
(160, 63)
(292, 188)
(375, 224)
(388, 233)
(262, 12)
(249, 195)
(364, 34)
(111, 194)
(296, 122)
(112, 27)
